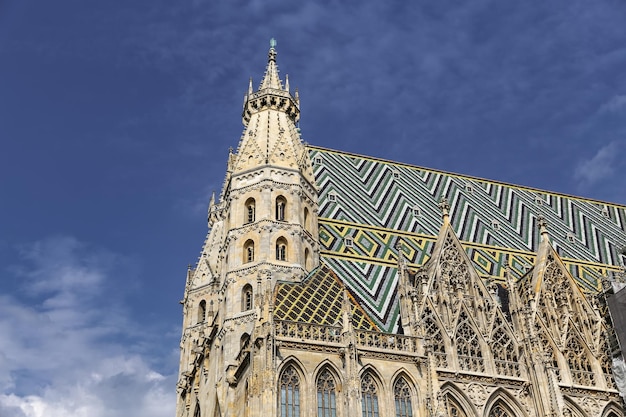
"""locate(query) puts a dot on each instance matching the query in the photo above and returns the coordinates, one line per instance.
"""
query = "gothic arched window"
(289, 393)
(306, 219)
(402, 397)
(248, 251)
(281, 249)
(499, 410)
(433, 331)
(307, 257)
(453, 407)
(468, 347)
(246, 298)
(202, 311)
(281, 205)
(326, 405)
(250, 210)
(579, 365)
(369, 396)
(504, 353)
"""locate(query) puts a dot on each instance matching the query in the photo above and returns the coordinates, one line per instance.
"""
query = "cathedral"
(341, 285)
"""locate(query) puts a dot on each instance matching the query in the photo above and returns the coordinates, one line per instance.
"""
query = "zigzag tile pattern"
(378, 202)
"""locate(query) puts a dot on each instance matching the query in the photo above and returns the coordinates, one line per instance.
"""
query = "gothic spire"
(271, 78)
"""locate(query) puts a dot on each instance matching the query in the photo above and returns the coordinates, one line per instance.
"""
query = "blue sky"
(115, 124)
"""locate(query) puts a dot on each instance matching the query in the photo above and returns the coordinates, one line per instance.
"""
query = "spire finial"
(444, 206)
(271, 55)
(543, 227)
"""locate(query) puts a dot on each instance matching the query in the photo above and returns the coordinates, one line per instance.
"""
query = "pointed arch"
(326, 389)
(612, 410)
(455, 403)
(504, 349)
(502, 403)
(201, 312)
(196, 411)
(281, 249)
(250, 210)
(247, 298)
(403, 394)
(370, 393)
(307, 259)
(577, 357)
(549, 349)
(248, 251)
(281, 208)
(290, 387)
(306, 223)
(467, 341)
(573, 408)
(437, 343)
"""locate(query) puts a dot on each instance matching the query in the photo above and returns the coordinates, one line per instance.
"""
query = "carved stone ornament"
(590, 405)
(477, 393)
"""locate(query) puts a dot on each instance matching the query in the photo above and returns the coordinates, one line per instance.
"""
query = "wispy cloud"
(615, 104)
(68, 348)
(600, 166)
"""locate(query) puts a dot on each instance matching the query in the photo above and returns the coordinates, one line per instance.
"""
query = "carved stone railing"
(471, 363)
(507, 368)
(386, 341)
(308, 332)
(364, 339)
(586, 378)
(441, 360)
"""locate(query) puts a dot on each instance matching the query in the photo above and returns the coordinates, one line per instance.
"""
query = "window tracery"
(468, 347)
(578, 362)
(499, 410)
(436, 340)
(504, 352)
(454, 409)
(402, 397)
(289, 393)
(326, 405)
(548, 351)
(369, 396)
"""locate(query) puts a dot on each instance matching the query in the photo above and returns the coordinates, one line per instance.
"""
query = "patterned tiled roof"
(373, 203)
(318, 299)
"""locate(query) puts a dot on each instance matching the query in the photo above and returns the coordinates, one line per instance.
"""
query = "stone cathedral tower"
(339, 285)
(263, 230)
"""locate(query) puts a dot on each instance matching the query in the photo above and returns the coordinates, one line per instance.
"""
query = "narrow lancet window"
(326, 406)
(289, 393)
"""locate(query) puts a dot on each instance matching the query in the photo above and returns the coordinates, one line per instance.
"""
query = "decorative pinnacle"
(543, 226)
(445, 208)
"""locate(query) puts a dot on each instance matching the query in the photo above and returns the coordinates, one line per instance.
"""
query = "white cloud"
(66, 346)
(615, 104)
(601, 166)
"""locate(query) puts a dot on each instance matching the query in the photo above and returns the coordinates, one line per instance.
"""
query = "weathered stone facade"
(270, 330)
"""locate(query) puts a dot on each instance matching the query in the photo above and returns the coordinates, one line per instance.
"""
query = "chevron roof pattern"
(366, 205)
